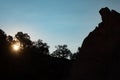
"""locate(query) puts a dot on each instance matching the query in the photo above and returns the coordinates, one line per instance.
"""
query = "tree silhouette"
(9, 39)
(61, 52)
(3, 47)
(41, 47)
(24, 39)
(75, 55)
(32, 60)
(2, 36)
(3, 41)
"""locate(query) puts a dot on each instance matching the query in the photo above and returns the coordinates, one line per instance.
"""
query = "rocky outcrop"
(99, 57)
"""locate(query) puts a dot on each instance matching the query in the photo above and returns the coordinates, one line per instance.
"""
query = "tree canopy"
(62, 52)
(37, 47)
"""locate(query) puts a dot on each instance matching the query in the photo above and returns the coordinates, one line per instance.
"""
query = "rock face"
(99, 57)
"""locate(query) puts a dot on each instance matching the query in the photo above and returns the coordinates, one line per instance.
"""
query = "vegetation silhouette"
(24, 39)
(62, 52)
(32, 61)
(97, 59)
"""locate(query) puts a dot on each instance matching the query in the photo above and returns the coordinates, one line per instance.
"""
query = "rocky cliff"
(99, 56)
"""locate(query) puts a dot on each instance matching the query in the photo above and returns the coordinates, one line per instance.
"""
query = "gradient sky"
(53, 21)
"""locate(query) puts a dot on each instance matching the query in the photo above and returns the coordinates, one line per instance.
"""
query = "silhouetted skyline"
(54, 21)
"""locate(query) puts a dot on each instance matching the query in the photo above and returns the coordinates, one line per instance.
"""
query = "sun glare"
(16, 46)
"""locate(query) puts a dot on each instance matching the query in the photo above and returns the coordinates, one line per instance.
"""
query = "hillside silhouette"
(97, 59)
(99, 55)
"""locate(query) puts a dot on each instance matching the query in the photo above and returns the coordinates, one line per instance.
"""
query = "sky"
(56, 22)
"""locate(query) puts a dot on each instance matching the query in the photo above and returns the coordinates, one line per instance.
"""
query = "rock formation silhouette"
(99, 56)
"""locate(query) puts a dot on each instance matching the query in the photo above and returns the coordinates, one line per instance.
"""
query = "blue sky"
(53, 21)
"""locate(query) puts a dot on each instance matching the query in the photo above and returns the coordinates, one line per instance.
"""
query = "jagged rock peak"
(99, 55)
(106, 13)
(108, 28)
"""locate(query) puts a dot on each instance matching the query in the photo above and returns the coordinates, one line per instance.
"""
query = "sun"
(16, 46)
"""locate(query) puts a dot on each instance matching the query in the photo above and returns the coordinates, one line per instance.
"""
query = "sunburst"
(16, 46)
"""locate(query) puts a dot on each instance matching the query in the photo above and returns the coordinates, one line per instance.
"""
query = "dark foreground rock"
(99, 56)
